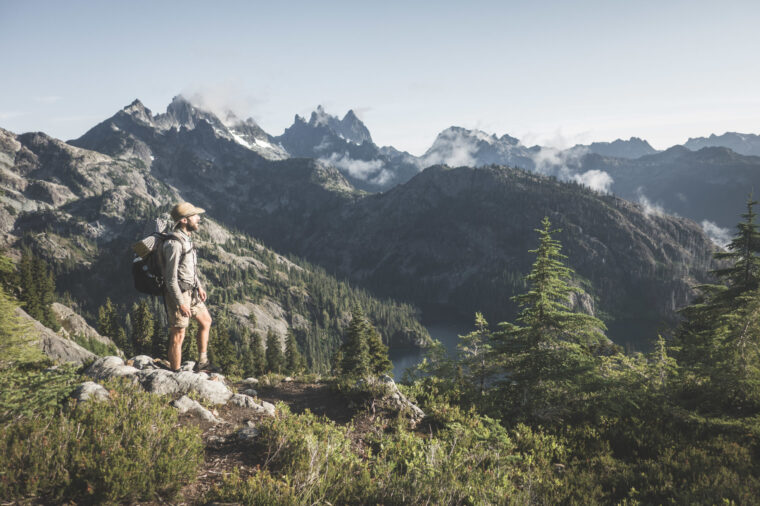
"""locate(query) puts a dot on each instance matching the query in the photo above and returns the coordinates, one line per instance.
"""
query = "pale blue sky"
(546, 72)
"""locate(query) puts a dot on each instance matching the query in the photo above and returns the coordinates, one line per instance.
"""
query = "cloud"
(597, 180)
(649, 207)
(372, 171)
(556, 162)
(456, 147)
(719, 235)
(453, 148)
(223, 98)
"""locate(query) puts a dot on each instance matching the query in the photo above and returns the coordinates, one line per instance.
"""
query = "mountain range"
(450, 241)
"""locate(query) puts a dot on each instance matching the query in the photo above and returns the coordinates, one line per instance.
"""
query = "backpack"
(147, 266)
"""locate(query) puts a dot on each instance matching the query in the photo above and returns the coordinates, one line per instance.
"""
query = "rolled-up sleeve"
(172, 257)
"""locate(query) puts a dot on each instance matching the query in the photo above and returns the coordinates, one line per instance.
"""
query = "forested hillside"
(80, 211)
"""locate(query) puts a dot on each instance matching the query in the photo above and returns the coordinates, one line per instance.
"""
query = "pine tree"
(222, 350)
(476, 351)
(275, 358)
(379, 363)
(259, 355)
(45, 281)
(29, 294)
(143, 328)
(548, 356)
(37, 288)
(356, 360)
(719, 339)
(294, 360)
(743, 252)
(108, 325)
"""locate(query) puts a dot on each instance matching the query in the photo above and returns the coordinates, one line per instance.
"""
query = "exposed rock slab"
(54, 346)
(187, 405)
(90, 391)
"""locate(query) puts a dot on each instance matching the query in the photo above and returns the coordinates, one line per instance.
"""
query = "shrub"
(97, 347)
(307, 460)
(124, 449)
(29, 390)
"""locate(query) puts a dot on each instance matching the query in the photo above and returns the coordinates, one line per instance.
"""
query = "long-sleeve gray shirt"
(179, 268)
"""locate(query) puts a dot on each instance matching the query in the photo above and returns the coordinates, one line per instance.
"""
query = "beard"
(192, 227)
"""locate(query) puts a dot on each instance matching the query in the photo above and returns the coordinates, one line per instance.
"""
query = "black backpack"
(147, 266)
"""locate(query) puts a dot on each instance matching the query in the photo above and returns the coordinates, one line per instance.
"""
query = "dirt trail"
(318, 398)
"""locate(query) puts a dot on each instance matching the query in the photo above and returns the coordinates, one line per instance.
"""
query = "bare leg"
(204, 325)
(176, 336)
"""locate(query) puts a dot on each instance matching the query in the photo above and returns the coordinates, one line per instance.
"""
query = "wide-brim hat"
(183, 210)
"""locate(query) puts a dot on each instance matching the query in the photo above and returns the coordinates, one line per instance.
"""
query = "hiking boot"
(164, 364)
(205, 367)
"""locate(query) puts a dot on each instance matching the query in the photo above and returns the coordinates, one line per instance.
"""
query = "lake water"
(446, 332)
(632, 335)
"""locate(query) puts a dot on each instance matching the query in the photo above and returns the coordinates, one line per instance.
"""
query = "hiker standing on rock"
(184, 293)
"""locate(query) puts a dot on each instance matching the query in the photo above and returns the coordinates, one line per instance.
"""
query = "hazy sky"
(547, 72)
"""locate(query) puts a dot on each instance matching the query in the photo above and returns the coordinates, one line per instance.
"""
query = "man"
(184, 293)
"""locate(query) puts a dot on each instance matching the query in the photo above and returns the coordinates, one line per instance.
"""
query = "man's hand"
(202, 294)
(185, 310)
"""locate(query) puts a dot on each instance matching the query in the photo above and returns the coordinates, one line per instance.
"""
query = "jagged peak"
(319, 117)
(138, 110)
(459, 132)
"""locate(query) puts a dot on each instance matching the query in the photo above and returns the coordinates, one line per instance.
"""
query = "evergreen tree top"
(545, 313)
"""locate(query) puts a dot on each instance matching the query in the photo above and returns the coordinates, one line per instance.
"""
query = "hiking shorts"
(176, 318)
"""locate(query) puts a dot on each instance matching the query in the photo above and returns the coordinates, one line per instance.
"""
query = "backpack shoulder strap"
(172, 237)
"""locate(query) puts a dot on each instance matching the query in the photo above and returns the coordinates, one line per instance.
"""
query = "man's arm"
(172, 257)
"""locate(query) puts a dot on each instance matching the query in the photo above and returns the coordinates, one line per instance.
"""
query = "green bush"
(128, 448)
(97, 347)
(30, 390)
(307, 460)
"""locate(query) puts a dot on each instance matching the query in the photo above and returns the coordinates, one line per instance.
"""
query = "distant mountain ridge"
(632, 148)
(744, 144)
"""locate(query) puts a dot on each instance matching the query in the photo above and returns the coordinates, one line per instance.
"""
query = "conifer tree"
(719, 339)
(37, 288)
(356, 360)
(259, 355)
(46, 291)
(476, 351)
(275, 358)
(294, 360)
(143, 328)
(29, 295)
(548, 356)
(108, 325)
(222, 350)
(379, 363)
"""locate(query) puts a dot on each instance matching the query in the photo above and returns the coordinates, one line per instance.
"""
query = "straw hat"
(185, 209)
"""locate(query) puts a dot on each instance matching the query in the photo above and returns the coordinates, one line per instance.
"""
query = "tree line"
(679, 424)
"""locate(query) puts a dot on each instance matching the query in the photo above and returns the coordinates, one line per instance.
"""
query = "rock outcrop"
(75, 325)
(145, 372)
(53, 345)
